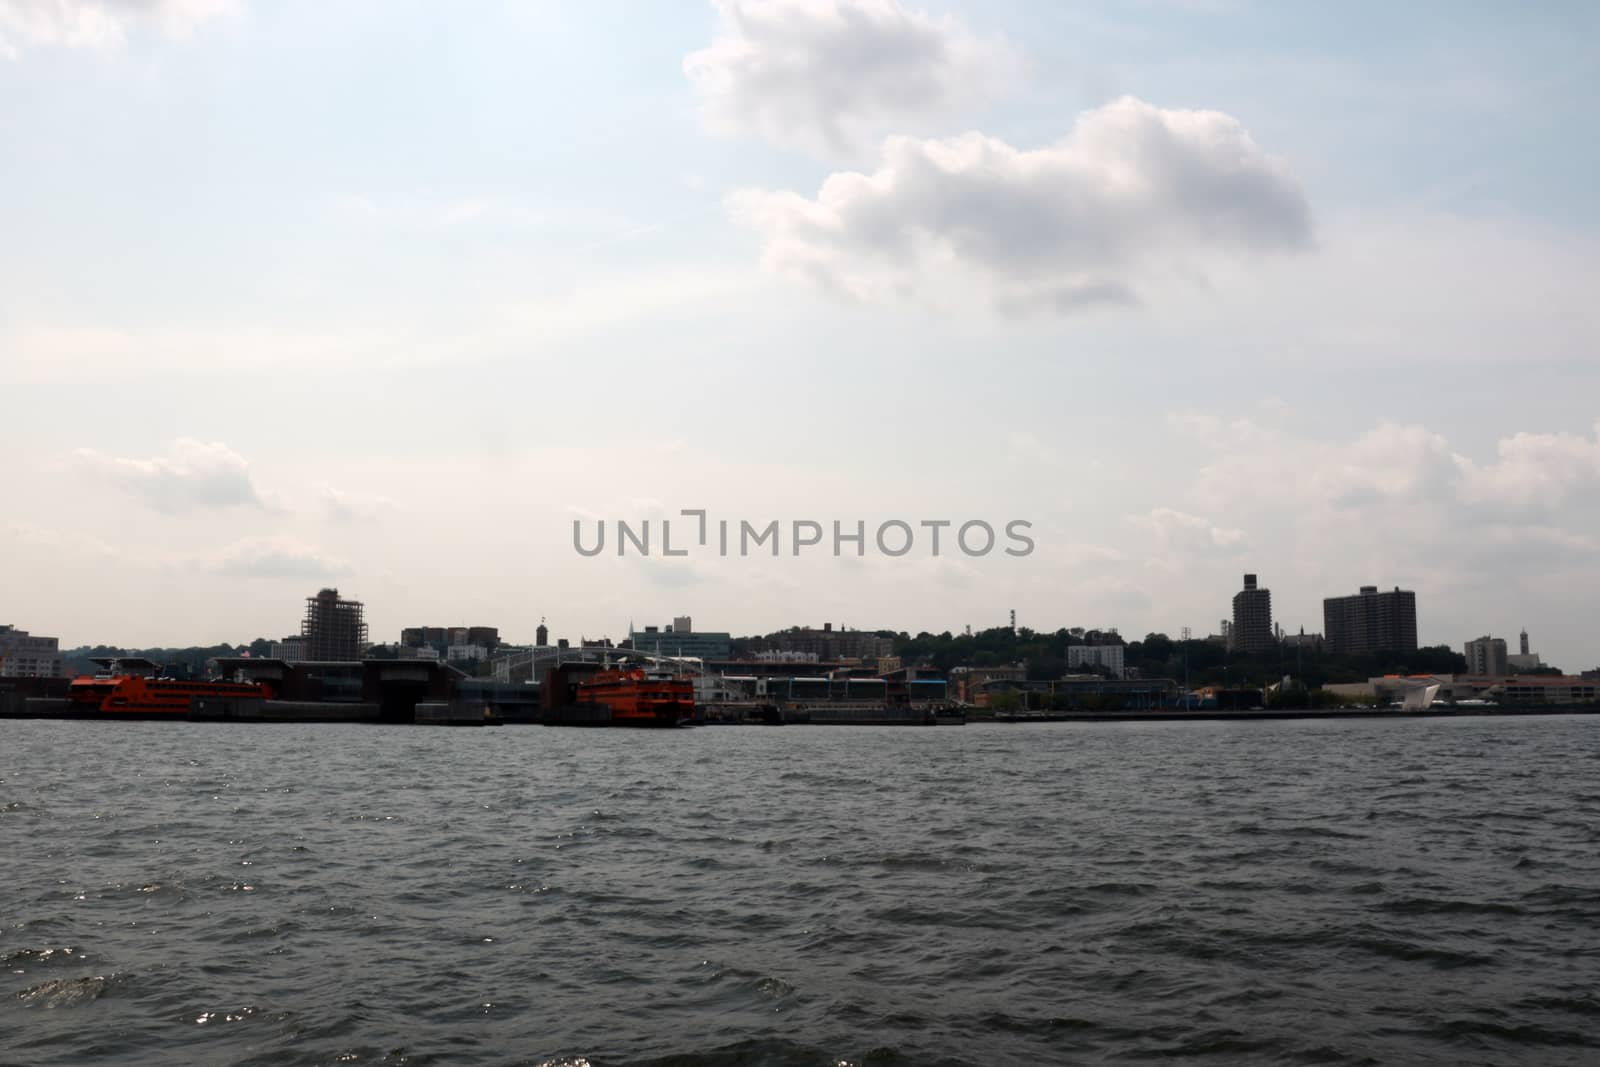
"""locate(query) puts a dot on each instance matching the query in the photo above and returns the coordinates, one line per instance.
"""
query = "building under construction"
(333, 629)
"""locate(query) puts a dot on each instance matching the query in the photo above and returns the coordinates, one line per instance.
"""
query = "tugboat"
(636, 697)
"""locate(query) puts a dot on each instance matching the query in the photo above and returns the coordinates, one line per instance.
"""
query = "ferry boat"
(133, 687)
(636, 697)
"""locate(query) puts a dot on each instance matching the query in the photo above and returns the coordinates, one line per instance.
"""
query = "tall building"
(1371, 621)
(24, 656)
(1252, 618)
(333, 629)
(1486, 655)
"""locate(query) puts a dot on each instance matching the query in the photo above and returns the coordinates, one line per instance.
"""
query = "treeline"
(1044, 655)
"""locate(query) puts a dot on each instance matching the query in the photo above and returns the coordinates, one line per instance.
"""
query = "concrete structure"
(24, 656)
(969, 684)
(1487, 656)
(466, 653)
(1251, 630)
(386, 690)
(333, 629)
(291, 649)
(831, 644)
(1371, 621)
(1108, 656)
(674, 642)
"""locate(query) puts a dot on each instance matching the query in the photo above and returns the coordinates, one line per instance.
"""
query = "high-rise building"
(1486, 655)
(24, 656)
(1252, 618)
(1371, 621)
(333, 629)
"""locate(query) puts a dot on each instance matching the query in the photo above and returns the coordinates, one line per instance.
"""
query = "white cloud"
(1133, 195)
(833, 76)
(343, 505)
(1180, 536)
(193, 475)
(98, 24)
(276, 557)
(1535, 470)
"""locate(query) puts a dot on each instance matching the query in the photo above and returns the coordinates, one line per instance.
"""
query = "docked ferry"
(637, 697)
(133, 687)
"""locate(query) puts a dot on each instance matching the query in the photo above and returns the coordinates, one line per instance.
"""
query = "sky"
(388, 295)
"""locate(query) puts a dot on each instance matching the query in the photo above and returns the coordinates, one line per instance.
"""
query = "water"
(1412, 891)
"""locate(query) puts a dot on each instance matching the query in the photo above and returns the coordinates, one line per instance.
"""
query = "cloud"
(1134, 194)
(1400, 498)
(340, 505)
(1179, 536)
(1535, 470)
(98, 24)
(192, 476)
(832, 76)
(276, 557)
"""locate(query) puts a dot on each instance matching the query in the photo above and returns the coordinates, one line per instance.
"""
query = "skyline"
(385, 299)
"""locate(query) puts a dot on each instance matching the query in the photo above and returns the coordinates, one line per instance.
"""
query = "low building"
(23, 655)
(1549, 691)
(670, 641)
(829, 644)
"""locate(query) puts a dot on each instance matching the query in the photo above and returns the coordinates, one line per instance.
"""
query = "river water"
(1405, 891)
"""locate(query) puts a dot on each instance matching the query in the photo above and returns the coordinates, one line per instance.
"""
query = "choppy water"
(1320, 892)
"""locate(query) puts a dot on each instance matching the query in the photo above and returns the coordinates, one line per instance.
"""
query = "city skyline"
(392, 312)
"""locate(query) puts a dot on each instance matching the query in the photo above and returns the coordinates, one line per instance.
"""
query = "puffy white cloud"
(834, 75)
(1535, 470)
(276, 557)
(1399, 503)
(193, 475)
(1135, 193)
(98, 23)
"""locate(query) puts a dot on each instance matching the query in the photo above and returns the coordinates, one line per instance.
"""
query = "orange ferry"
(121, 690)
(640, 698)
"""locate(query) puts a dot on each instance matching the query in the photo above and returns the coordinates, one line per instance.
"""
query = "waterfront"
(1349, 891)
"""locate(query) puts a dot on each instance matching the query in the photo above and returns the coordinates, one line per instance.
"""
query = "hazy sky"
(385, 294)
